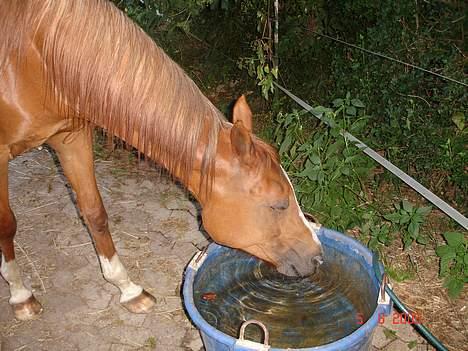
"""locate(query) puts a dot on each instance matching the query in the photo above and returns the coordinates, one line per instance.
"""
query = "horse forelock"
(104, 70)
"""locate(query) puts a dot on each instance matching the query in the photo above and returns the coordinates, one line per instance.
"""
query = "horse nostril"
(317, 260)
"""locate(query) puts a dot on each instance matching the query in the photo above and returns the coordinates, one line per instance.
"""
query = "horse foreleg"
(25, 306)
(76, 157)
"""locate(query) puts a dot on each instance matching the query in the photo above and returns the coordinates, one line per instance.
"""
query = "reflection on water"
(298, 312)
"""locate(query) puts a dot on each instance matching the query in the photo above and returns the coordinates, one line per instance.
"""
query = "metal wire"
(390, 58)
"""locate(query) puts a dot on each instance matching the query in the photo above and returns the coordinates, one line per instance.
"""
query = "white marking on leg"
(12, 274)
(115, 273)
(313, 227)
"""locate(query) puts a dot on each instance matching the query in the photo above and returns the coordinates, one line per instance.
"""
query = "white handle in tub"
(250, 344)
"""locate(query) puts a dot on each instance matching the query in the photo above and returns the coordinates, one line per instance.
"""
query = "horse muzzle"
(294, 265)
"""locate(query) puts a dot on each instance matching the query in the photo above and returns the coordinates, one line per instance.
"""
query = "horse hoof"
(27, 310)
(143, 303)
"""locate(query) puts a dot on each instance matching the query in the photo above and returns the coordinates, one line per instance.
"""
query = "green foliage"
(260, 64)
(167, 15)
(454, 262)
(418, 119)
(328, 172)
(407, 220)
(259, 67)
(379, 234)
(398, 274)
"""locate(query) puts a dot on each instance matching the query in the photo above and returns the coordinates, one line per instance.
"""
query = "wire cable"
(390, 58)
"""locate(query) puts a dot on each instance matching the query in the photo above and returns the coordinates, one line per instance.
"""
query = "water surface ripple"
(298, 312)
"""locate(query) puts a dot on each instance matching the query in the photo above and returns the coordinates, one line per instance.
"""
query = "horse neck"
(117, 78)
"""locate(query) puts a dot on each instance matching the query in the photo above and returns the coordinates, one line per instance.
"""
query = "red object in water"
(209, 296)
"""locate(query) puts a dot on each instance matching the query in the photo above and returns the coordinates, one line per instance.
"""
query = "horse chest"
(27, 118)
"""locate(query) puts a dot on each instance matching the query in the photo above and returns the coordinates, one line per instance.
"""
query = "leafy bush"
(328, 172)
(454, 262)
(407, 220)
(417, 118)
(167, 15)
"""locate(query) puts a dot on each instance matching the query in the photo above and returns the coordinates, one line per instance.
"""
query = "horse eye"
(280, 205)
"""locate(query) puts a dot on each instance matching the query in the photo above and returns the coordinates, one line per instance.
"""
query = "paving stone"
(194, 341)
(380, 340)
(397, 345)
(405, 332)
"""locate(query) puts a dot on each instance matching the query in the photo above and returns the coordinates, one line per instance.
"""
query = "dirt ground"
(156, 230)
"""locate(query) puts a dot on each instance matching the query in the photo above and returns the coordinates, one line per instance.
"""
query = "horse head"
(252, 205)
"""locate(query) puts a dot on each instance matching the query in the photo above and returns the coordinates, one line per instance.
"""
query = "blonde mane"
(103, 69)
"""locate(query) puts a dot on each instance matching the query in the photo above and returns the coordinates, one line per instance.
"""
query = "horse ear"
(242, 112)
(241, 141)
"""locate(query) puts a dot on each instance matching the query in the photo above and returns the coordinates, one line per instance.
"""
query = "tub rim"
(364, 331)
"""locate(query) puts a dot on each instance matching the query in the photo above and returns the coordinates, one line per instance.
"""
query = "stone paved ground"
(156, 231)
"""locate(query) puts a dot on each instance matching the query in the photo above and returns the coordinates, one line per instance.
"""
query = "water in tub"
(298, 312)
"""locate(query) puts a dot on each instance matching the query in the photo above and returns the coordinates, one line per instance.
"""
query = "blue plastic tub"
(360, 339)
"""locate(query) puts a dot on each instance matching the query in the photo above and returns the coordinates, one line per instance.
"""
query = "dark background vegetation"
(415, 119)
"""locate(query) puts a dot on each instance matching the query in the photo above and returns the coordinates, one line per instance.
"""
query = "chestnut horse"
(68, 66)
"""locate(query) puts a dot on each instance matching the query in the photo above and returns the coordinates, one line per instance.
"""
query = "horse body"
(66, 67)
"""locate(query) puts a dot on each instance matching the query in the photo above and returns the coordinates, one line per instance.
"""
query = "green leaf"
(309, 168)
(351, 110)
(444, 263)
(404, 218)
(392, 217)
(274, 71)
(445, 251)
(357, 103)
(320, 177)
(310, 172)
(459, 119)
(317, 198)
(337, 102)
(373, 242)
(333, 148)
(413, 229)
(465, 259)
(331, 163)
(345, 171)
(424, 210)
(421, 240)
(453, 238)
(335, 211)
(407, 206)
(351, 158)
(407, 242)
(454, 286)
(389, 334)
(358, 126)
(321, 109)
(286, 144)
(460, 249)
(315, 159)
(399, 275)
